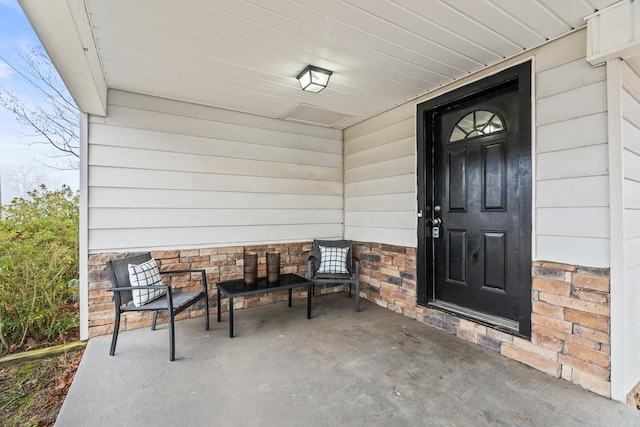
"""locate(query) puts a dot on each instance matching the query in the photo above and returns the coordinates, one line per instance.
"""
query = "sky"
(22, 161)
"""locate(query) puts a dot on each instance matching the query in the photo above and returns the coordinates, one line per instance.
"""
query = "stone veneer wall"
(570, 319)
(219, 263)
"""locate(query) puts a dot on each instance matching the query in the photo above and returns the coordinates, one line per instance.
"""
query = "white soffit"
(244, 55)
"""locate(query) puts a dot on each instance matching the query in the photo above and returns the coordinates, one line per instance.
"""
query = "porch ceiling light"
(314, 79)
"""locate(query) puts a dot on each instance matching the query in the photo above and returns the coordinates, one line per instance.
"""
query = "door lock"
(435, 229)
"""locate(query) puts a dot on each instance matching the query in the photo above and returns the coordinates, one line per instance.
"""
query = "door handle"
(436, 222)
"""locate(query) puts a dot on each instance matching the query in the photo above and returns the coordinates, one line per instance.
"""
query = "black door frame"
(424, 258)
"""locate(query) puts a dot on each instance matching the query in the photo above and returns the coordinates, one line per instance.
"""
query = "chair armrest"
(200, 270)
(139, 288)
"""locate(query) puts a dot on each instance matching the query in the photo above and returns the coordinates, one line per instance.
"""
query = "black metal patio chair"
(332, 262)
(171, 302)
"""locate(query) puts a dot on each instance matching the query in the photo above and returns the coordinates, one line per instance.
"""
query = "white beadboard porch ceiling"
(244, 55)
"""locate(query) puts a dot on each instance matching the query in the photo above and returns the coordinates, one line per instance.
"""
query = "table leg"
(230, 317)
(309, 286)
(219, 306)
(290, 293)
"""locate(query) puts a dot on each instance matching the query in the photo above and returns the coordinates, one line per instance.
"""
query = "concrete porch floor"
(373, 368)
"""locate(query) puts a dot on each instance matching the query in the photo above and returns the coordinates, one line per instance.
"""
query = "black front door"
(475, 231)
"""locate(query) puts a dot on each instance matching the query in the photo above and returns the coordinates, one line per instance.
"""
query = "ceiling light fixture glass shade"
(314, 79)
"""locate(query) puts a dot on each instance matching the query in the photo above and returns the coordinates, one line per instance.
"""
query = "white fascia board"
(65, 33)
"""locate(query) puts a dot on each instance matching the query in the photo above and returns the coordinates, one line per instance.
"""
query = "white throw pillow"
(333, 260)
(142, 275)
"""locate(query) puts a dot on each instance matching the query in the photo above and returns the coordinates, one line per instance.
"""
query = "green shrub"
(38, 266)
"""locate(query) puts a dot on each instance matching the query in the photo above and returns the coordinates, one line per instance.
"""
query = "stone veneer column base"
(570, 319)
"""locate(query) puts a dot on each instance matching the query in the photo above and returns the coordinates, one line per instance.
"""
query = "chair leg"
(172, 350)
(349, 290)
(357, 286)
(114, 338)
(155, 318)
(206, 313)
(309, 276)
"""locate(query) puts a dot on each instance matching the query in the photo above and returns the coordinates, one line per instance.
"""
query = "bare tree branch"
(55, 120)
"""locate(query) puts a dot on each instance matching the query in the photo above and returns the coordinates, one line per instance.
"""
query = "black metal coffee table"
(238, 288)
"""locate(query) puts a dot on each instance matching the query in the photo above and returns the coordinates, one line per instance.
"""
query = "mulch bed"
(32, 391)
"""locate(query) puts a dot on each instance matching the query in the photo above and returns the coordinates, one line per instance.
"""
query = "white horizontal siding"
(393, 150)
(391, 185)
(631, 164)
(165, 174)
(383, 202)
(381, 169)
(389, 119)
(632, 223)
(175, 179)
(573, 192)
(632, 247)
(577, 162)
(110, 218)
(628, 321)
(158, 198)
(118, 157)
(577, 75)
(631, 131)
(591, 252)
(563, 106)
(382, 219)
(574, 222)
(631, 194)
(380, 179)
(389, 235)
(192, 144)
(382, 136)
(122, 239)
(572, 165)
(575, 133)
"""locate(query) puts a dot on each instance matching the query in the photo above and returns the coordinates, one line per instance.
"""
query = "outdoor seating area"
(373, 368)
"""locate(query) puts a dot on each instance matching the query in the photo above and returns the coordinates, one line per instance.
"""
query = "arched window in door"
(477, 123)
